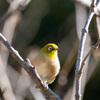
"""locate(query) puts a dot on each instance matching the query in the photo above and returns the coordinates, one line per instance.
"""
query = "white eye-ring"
(50, 48)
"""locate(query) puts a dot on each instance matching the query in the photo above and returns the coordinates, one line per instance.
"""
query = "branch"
(93, 11)
(91, 51)
(34, 75)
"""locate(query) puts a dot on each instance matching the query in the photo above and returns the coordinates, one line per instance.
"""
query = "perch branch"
(93, 11)
(34, 75)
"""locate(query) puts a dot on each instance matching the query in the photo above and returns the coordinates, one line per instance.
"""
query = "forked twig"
(91, 51)
(93, 11)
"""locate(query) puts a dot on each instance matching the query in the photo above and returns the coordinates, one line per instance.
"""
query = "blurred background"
(29, 25)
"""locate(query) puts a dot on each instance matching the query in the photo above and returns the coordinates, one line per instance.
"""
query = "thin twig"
(34, 75)
(91, 51)
(93, 10)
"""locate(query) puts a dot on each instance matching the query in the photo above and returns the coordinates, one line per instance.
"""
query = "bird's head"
(50, 50)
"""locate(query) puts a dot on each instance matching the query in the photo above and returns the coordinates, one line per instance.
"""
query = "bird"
(47, 63)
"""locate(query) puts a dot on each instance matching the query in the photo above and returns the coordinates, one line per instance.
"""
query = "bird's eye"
(50, 48)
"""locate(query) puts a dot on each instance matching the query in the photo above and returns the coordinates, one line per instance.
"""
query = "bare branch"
(34, 75)
(91, 51)
(93, 11)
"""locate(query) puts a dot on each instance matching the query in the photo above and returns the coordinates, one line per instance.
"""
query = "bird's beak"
(56, 49)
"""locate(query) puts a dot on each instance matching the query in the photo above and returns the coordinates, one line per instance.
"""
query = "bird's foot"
(45, 84)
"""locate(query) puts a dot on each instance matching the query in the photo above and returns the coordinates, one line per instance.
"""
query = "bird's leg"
(46, 84)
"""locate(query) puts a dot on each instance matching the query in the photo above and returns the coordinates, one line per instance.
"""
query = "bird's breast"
(47, 68)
